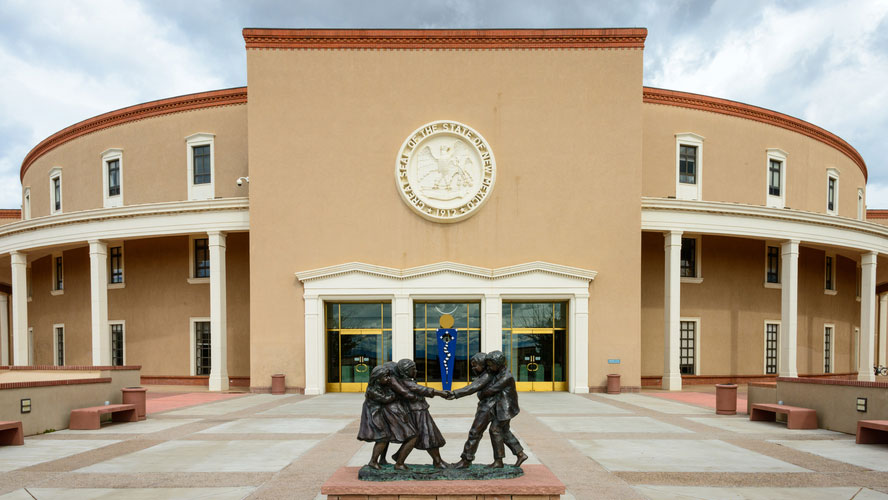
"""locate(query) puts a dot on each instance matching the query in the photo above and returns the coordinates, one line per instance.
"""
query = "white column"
(402, 331)
(579, 349)
(4, 329)
(492, 334)
(218, 314)
(98, 278)
(867, 317)
(314, 348)
(19, 308)
(672, 312)
(789, 309)
(883, 325)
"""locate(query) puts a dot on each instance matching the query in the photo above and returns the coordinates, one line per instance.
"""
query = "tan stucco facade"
(586, 168)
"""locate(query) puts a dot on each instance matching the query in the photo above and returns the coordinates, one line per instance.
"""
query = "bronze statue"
(502, 389)
(429, 438)
(385, 418)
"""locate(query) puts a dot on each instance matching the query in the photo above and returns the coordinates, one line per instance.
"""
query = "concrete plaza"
(646, 445)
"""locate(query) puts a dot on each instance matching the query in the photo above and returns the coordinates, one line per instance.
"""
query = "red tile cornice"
(877, 214)
(614, 38)
(178, 104)
(10, 213)
(741, 110)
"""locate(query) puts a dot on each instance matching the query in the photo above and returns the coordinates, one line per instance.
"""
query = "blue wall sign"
(446, 355)
(613, 361)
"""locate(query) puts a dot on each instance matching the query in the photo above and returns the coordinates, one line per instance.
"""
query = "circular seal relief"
(445, 171)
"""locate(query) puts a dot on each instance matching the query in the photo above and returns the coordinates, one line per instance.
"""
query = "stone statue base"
(430, 473)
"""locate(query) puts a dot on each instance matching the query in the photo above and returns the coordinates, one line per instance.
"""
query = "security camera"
(240, 180)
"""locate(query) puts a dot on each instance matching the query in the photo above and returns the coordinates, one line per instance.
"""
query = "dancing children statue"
(502, 388)
(429, 438)
(385, 418)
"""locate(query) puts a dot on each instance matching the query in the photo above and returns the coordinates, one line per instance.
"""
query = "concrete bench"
(872, 431)
(90, 418)
(796, 418)
(11, 433)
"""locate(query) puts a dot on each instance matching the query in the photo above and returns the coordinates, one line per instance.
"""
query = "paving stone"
(236, 493)
(753, 493)
(744, 426)
(871, 456)
(143, 427)
(279, 426)
(610, 424)
(36, 451)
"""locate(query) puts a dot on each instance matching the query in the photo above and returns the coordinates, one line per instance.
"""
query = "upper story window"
(201, 166)
(689, 166)
(829, 274)
(690, 260)
(772, 264)
(861, 212)
(832, 191)
(776, 176)
(26, 204)
(112, 178)
(58, 274)
(55, 190)
(115, 263)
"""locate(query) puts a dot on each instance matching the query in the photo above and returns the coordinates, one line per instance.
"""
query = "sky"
(824, 61)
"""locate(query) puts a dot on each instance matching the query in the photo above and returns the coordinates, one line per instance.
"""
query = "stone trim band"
(225, 97)
(618, 38)
(653, 95)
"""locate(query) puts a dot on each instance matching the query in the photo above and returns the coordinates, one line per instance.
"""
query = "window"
(30, 346)
(832, 191)
(690, 260)
(861, 213)
(55, 190)
(859, 276)
(772, 264)
(772, 330)
(202, 357)
(115, 264)
(201, 166)
(118, 356)
(58, 345)
(201, 258)
(776, 178)
(688, 347)
(26, 204)
(58, 274)
(689, 166)
(829, 274)
(112, 177)
(828, 343)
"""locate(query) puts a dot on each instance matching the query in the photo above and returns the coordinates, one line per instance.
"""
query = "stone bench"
(796, 418)
(872, 431)
(11, 433)
(90, 418)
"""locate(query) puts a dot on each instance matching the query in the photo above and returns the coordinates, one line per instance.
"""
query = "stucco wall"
(325, 129)
(154, 160)
(733, 305)
(156, 305)
(734, 162)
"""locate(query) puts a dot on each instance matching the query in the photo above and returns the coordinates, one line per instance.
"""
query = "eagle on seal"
(446, 175)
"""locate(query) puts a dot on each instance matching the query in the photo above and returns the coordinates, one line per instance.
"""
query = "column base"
(671, 382)
(866, 377)
(788, 374)
(217, 383)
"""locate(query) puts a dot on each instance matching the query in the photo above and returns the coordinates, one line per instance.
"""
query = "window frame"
(56, 173)
(768, 246)
(192, 271)
(775, 154)
(122, 324)
(832, 174)
(698, 265)
(122, 283)
(830, 287)
(26, 203)
(193, 334)
(58, 283)
(203, 191)
(830, 357)
(685, 191)
(108, 156)
(776, 349)
(55, 344)
(697, 337)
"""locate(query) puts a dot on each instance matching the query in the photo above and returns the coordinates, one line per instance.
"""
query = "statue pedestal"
(537, 482)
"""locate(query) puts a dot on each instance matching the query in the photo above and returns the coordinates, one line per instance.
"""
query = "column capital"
(868, 258)
(672, 238)
(217, 233)
(18, 258)
(96, 242)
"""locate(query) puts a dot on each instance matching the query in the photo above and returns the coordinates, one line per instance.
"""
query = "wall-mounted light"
(241, 180)
(26, 405)
(861, 404)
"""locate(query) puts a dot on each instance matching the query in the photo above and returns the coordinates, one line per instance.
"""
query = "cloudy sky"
(824, 61)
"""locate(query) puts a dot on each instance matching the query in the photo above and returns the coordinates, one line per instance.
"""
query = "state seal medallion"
(445, 171)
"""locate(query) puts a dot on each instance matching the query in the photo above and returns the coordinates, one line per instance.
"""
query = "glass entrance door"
(359, 338)
(535, 342)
